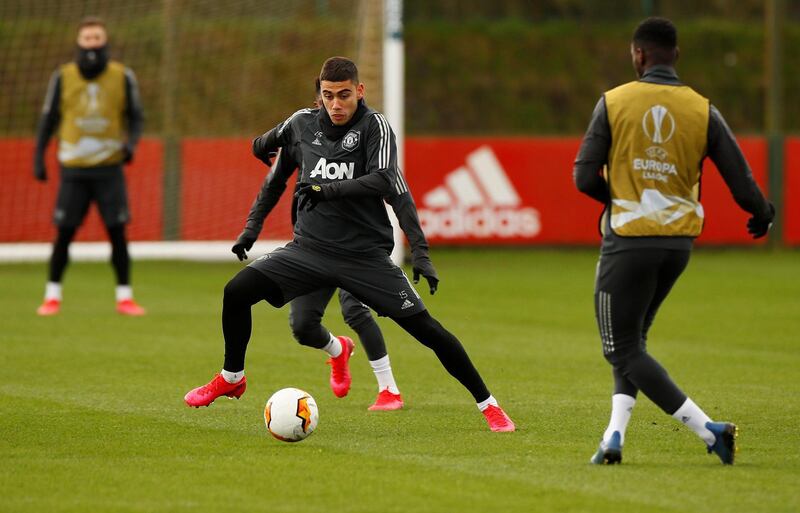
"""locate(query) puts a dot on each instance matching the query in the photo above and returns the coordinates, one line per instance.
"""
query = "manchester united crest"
(351, 140)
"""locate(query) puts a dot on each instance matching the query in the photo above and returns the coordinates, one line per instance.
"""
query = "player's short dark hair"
(656, 32)
(92, 21)
(339, 69)
(317, 87)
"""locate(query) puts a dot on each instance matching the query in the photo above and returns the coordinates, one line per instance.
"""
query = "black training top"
(275, 184)
(358, 164)
(722, 149)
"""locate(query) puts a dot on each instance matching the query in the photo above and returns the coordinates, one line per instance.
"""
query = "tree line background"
(472, 67)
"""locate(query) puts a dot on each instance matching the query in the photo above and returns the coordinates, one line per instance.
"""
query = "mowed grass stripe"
(92, 417)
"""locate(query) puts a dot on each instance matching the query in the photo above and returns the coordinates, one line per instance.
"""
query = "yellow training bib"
(90, 133)
(658, 141)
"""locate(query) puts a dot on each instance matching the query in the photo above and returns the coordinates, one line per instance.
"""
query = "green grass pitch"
(92, 415)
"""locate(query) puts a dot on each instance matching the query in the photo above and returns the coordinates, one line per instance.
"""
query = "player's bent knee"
(618, 357)
(307, 328)
(249, 287)
(233, 295)
(65, 234)
(303, 320)
(308, 334)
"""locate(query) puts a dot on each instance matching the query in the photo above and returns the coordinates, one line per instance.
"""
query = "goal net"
(212, 75)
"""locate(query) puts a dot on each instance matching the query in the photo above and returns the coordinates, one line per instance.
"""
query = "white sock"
(52, 291)
(124, 292)
(695, 418)
(333, 347)
(383, 373)
(621, 409)
(491, 401)
(232, 377)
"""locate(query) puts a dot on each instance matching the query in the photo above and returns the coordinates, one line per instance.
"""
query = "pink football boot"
(205, 395)
(340, 372)
(129, 307)
(498, 420)
(49, 307)
(387, 401)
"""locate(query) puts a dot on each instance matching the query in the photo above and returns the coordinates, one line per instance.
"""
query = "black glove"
(758, 227)
(423, 266)
(244, 243)
(39, 169)
(127, 154)
(309, 195)
(262, 153)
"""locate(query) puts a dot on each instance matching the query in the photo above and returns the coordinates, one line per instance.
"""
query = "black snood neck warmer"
(92, 61)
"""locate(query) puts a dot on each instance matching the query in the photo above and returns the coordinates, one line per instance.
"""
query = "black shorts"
(79, 188)
(629, 288)
(376, 281)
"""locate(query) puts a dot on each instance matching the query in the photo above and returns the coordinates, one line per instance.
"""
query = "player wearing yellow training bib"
(93, 106)
(642, 158)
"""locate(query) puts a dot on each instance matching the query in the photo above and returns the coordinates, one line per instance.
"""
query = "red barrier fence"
(520, 191)
(469, 191)
(219, 181)
(26, 205)
(791, 194)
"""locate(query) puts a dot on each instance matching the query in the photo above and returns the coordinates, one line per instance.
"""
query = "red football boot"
(498, 420)
(340, 371)
(205, 395)
(129, 307)
(387, 401)
(49, 307)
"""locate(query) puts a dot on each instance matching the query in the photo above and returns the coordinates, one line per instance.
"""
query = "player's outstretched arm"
(726, 154)
(48, 122)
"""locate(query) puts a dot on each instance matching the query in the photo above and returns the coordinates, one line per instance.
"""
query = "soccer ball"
(291, 414)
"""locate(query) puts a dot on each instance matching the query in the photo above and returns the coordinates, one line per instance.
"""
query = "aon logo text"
(333, 170)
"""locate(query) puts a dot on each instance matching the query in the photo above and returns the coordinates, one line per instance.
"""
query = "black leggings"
(244, 290)
(448, 349)
(120, 259)
(249, 287)
(631, 285)
(305, 320)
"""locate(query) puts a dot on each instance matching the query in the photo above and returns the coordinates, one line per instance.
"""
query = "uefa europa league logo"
(658, 124)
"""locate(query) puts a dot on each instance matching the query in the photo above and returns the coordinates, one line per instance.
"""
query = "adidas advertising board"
(472, 193)
(519, 191)
(548, 210)
(477, 200)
